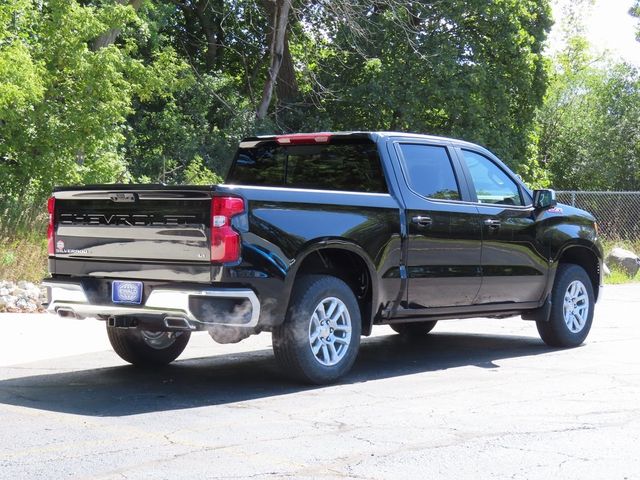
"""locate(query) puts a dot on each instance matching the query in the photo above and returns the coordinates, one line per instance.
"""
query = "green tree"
(470, 69)
(590, 134)
(74, 99)
(141, 90)
(634, 11)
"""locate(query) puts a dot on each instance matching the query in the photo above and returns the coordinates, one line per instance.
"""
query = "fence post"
(573, 199)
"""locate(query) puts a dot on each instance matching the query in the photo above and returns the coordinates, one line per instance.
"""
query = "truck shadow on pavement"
(223, 379)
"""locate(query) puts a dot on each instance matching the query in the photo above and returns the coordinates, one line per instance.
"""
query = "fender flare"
(335, 244)
(573, 243)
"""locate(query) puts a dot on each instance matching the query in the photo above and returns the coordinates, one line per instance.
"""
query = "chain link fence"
(617, 213)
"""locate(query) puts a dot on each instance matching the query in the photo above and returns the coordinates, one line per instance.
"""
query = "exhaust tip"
(177, 323)
(66, 313)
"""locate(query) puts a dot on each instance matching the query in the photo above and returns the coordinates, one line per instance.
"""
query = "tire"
(569, 323)
(307, 348)
(144, 349)
(414, 329)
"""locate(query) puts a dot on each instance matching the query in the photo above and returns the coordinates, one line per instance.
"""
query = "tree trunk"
(280, 21)
(110, 36)
(287, 85)
(209, 15)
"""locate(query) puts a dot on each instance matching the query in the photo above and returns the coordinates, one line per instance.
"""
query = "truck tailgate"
(163, 225)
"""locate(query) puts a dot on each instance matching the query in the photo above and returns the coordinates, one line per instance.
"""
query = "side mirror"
(544, 199)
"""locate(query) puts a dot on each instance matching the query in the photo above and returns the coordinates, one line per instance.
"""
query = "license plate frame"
(126, 292)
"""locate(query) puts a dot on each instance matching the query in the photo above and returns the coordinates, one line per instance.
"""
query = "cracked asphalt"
(476, 399)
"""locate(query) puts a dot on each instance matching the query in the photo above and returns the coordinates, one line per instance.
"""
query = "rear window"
(341, 165)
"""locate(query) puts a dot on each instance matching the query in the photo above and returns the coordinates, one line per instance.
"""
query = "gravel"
(22, 297)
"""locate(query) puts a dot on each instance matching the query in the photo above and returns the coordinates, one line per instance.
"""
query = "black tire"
(293, 340)
(134, 346)
(557, 332)
(413, 329)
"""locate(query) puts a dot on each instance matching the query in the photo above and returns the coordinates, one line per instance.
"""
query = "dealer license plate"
(126, 292)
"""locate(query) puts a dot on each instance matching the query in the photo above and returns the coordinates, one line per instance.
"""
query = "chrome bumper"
(168, 305)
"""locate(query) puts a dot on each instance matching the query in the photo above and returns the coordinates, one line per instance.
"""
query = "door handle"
(492, 223)
(422, 221)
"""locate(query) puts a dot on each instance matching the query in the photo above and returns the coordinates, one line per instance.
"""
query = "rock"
(19, 292)
(22, 297)
(9, 301)
(624, 260)
(606, 270)
(27, 285)
(25, 305)
(33, 293)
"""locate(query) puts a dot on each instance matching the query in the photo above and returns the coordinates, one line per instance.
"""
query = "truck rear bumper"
(169, 309)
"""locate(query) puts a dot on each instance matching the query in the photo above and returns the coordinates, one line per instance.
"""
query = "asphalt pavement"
(476, 399)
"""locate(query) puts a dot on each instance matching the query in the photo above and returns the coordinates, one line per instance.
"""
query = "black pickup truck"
(316, 238)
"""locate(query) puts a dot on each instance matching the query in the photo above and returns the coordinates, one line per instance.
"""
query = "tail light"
(225, 241)
(51, 230)
(303, 138)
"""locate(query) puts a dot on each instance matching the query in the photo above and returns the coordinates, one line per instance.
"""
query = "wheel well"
(351, 269)
(586, 259)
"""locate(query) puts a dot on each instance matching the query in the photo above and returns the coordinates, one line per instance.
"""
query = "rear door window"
(340, 165)
(429, 172)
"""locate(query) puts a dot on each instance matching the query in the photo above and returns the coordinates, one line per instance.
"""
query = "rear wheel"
(147, 348)
(572, 303)
(319, 339)
(414, 329)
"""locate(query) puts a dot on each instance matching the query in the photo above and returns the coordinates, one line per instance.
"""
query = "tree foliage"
(634, 11)
(65, 122)
(589, 124)
(470, 69)
(161, 90)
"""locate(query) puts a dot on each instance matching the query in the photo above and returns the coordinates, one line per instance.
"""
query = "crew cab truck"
(316, 238)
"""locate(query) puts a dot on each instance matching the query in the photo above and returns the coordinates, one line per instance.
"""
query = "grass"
(23, 244)
(23, 259)
(619, 277)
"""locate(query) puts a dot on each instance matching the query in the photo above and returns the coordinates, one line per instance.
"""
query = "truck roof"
(322, 137)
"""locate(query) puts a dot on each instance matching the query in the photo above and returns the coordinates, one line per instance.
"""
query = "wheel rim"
(576, 306)
(158, 340)
(330, 331)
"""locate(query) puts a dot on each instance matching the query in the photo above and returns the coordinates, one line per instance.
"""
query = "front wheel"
(146, 348)
(572, 305)
(319, 339)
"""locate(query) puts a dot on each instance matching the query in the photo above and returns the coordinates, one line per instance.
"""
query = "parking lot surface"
(476, 399)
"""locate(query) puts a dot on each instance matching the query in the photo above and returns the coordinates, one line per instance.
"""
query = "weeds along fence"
(617, 213)
(22, 220)
(23, 245)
